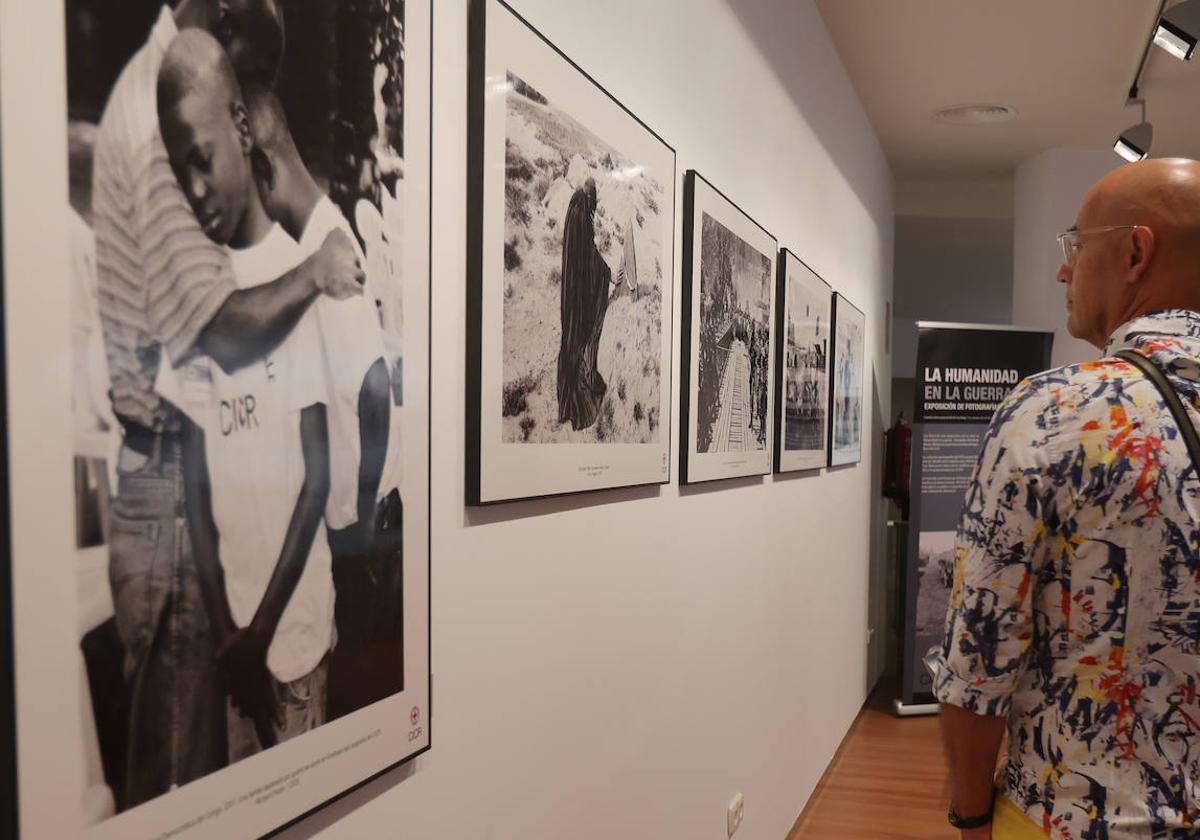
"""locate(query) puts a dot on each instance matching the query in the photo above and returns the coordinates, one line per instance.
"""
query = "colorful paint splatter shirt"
(1075, 609)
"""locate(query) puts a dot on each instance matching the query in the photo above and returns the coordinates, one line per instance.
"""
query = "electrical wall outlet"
(737, 810)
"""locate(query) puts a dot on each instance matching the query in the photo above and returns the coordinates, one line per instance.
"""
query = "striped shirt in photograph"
(160, 279)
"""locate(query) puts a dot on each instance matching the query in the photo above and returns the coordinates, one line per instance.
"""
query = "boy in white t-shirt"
(256, 463)
(364, 514)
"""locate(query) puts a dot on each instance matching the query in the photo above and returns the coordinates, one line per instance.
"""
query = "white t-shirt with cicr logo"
(256, 468)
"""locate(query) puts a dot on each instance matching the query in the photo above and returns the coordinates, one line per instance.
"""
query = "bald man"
(166, 292)
(1074, 620)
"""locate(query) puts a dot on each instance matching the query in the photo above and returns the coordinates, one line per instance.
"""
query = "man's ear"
(1141, 252)
(241, 121)
(261, 168)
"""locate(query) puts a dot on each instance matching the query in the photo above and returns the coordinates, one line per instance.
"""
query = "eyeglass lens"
(1068, 242)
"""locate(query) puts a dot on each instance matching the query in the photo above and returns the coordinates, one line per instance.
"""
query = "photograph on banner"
(944, 458)
(248, 228)
(805, 310)
(572, 244)
(849, 376)
(729, 351)
(935, 575)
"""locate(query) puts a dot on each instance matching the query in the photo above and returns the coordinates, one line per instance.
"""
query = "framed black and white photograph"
(572, 218)
(848, 377)
(805, 325)
(232, 628)
(728, 383)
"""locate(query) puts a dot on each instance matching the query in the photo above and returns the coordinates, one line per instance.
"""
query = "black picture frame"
(692, 465)
(781, 460)
(9, 813)
(846, 316)
(501, 470)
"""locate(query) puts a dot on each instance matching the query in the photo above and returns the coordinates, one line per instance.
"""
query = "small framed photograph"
(846, 391)
(571, 229)
(804, 329)
(727, 392)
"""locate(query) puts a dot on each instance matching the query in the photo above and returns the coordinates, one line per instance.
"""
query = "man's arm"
(302, 529)
(249, 689)
(374, 414)
(245, 656)
(252, 322)
(192, 301)
(1000, 550)
(253, 640)
(972, 743)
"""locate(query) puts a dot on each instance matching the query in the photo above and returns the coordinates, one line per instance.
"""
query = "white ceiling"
(1065, 65)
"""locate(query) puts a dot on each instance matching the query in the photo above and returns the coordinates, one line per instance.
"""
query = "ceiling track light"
(1178, 29)
(1134, 142)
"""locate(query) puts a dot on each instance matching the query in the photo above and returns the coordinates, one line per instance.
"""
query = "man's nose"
(1064, 274)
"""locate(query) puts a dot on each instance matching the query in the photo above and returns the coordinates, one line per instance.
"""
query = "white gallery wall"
(1049, 189)
(620, 664)
(953, 258)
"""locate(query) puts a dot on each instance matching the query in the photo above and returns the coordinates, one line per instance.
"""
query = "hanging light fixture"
(1178, 29)
(1134, 142)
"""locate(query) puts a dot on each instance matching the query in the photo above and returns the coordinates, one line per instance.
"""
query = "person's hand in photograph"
(336, 267)
(243, 659)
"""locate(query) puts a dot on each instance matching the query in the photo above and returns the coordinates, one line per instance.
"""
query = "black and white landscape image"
(734, 342)
(583, 281)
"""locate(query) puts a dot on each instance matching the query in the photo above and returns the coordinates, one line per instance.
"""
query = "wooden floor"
(887, 780)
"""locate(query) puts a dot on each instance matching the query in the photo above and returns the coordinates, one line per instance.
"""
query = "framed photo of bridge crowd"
(729, 333)
(219, 526)
(570, 266)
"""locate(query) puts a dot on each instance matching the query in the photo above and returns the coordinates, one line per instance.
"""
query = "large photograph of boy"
(237, 170)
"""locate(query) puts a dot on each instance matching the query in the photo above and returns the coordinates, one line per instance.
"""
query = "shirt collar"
(273, 255)
(1174, 323)
(318, 224)
(165, 29)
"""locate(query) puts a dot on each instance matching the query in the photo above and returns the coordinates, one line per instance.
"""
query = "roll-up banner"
(964, 371)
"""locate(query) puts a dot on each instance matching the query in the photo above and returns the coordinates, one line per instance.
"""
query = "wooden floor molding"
(887, 780)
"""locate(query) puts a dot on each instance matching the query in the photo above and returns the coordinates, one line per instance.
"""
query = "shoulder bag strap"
(1154, 373)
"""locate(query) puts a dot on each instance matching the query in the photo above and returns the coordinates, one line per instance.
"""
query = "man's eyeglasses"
(1069, 239)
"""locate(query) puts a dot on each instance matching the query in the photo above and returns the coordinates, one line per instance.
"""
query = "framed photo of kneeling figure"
(805, 326)
(728, 383)
(219, 401)
(571, 226)
(847, 380)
